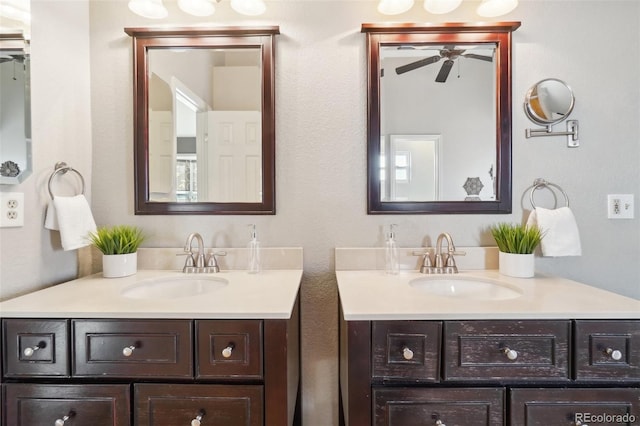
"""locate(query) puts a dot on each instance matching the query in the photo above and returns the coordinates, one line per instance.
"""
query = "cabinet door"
(507, 350)
(132, 348)
(229, 349)
(178, 405)
(558, 407)
(608, 350)
(82, 405)
(438, 406)
(35, 348)
(406, 351)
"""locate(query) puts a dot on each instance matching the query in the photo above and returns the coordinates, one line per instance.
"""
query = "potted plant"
(119, 245)
(517, 244)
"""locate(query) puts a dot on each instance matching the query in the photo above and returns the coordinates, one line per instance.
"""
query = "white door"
(162, 157)
(234, 165)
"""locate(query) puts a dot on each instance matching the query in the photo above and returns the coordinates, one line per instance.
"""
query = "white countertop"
(271, 294)
(374, 295)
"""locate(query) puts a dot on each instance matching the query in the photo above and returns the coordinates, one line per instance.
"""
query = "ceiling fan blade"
(417, 64)
(444, 71)
(481, 57)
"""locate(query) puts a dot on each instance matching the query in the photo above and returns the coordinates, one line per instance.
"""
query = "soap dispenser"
(254, 251)
(391, 252)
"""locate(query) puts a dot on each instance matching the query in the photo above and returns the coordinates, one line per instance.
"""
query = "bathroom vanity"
(479, 348)
(156, 348)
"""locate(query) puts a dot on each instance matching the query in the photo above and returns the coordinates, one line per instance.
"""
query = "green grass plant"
(119, 239)
(518, 239)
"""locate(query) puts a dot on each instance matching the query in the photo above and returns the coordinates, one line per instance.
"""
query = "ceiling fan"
(449, 53)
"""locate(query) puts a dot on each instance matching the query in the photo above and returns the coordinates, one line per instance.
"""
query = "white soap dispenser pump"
(254, 252)
(391, 252)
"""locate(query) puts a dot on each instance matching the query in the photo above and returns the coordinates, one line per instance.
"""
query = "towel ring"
(541, 183)
(62, 168)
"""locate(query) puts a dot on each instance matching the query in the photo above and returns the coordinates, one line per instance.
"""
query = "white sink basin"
(174, 287)
(466, 287)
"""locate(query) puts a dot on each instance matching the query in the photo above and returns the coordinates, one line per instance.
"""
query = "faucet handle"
(212, 262)
(427, 263)
(189, 262)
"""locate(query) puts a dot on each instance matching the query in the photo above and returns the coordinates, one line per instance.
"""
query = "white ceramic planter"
(119, 265)
(516, 265)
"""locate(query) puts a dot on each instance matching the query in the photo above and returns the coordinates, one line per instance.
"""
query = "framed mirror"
(439, 118)
(549, 102)
(15, 108)
(204, 119)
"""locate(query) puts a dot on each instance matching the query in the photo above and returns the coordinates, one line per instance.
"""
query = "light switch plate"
(11, 209)
(620, 206)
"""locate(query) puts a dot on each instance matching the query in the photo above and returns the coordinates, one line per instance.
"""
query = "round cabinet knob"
(128, 351)
(510, 353)
(30, 351)
(407, 353)
(439, 423)
(62, 421)
(197, 420)
(579, 423)
(228, 351)
(614, 354)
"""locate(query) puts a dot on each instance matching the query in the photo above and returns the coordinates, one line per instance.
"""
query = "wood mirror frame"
(144, 38)
(443, 34)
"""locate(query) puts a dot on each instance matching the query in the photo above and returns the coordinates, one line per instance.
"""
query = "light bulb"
(441, 6)
(249, 7)
(493, 8)
(152, 9)
(197, 7)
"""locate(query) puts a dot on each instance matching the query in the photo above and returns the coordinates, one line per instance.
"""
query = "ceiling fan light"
(394, 7)
(197, 7)
(493, 8)
(439, 7)
(249, 7)
(152, 9)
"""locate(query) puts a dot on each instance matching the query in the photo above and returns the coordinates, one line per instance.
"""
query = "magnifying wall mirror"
(204, 120)
(439, 128)
(15, 109)
(549, 101)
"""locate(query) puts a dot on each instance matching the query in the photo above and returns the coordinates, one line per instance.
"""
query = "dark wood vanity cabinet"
(148, 372)
(486, 372)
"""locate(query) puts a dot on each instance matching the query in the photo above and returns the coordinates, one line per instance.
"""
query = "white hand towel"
(51, 218)
(75, 221)
(560, 231)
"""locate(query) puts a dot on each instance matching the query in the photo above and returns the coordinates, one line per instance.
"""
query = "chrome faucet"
(446, 264)
(200, 264)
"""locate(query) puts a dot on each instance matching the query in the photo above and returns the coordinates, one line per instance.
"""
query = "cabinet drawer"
(506, 350)
(406, 351)
(84, 405)
(607, 350)
(171, 405)
(427, 406)
(558, 407)
(229, 349)
(132, 348)
(35, 348)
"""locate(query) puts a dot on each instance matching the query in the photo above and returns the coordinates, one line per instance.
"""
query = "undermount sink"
(173, 287)
(466, 287)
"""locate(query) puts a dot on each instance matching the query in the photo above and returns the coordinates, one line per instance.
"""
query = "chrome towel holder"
(541, 183)
(62, 168)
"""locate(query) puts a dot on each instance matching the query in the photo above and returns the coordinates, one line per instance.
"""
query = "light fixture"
(197, 7)
(152, 9)
(439, 7)
(249, 7)
(493, 8)
(394, 7)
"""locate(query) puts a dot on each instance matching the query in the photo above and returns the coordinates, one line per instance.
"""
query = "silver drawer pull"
(61, 422)
(228, 351)
(510, 353)
(407, 353)
(28, 352)
(614, 354)
(128, 350)
(439, 423)
(197, 420)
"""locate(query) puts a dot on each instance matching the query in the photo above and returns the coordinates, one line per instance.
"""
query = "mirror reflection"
(205, 125)
(549, 101)
(15, 109)
(425, 89)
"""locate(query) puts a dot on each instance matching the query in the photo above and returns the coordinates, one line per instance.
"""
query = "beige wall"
(321, 131)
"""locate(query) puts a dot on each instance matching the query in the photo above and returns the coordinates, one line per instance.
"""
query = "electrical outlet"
(620, 206)
(11, 209)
